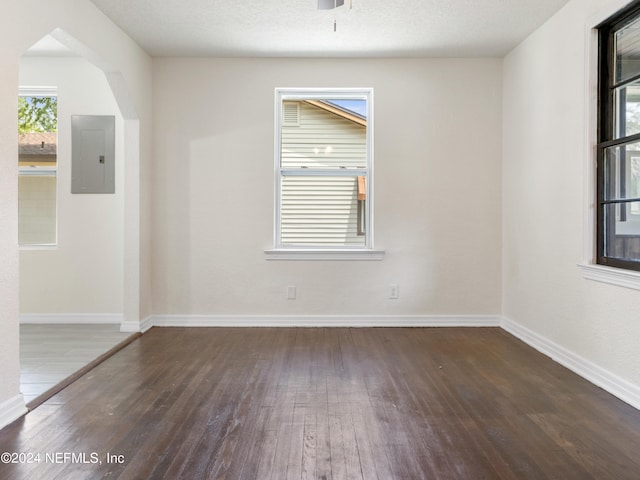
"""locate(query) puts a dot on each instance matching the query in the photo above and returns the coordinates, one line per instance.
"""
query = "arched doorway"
(78, 281)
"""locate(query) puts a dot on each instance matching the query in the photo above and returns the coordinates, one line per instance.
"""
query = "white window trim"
(288, 252)
(589, 269)
(40, 91)
(323, 254)
(37, 91)
(613, 276)
(37, 171)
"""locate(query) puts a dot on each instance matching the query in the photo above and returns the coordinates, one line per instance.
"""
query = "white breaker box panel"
(92, 154)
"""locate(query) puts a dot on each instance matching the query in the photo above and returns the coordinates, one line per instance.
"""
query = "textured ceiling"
(366, 28)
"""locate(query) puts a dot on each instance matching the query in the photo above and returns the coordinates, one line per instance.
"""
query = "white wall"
(83, 274)
(437, 189)
(442, 196)
(545, 159)
(21, 25)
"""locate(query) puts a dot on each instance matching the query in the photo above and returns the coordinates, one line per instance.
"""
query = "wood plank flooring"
(51, 353)
(327, 403)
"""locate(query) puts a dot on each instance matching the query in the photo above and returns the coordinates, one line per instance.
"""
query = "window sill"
(36, 247)
(613, 276)
(322, 254)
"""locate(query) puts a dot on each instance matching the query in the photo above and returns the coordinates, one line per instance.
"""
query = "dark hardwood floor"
(326, 403)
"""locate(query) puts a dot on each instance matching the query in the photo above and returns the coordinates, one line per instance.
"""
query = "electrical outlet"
(291, 292)
(394, 291)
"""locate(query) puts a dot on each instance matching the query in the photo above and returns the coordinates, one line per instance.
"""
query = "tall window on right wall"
(618, 156)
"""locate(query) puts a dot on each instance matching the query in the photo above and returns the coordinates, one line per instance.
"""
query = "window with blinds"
(323, 162)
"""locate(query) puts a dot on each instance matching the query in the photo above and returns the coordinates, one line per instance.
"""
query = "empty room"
(328, 239)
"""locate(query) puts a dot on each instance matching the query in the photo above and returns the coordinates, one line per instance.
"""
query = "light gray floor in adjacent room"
(50, 353)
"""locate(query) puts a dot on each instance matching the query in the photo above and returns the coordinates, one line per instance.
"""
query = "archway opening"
(75, 292)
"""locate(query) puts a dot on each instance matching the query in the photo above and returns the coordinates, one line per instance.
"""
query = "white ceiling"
(295, 28)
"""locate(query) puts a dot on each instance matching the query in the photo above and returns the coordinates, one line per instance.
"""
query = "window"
(324, 169)
(37, 166)
(618, 152)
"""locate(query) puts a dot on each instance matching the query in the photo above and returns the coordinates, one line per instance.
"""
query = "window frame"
(606, 129)
(313, 251)
(42, 91)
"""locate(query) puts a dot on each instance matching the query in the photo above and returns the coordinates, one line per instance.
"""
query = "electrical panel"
(92, 154)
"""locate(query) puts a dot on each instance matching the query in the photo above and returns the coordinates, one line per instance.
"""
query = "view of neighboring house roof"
(37, 143)
(356, 107)
(340, 109)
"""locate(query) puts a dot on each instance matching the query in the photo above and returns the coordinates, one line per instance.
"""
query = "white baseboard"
(325, 320)
(136, 326)
(71, 318)
(597, 375)
(11, 410)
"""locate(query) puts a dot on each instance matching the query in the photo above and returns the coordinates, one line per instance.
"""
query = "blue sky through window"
(359, 107)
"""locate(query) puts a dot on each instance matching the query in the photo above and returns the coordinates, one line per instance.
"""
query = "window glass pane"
(634, 183)
(321, 210)
(627, 45)
(324, 134)
(323, 166)
(621, 232)
(37, 161)
(37, 209)
(37, 149)
(618, 167)
(622, 172)
(627, 106)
